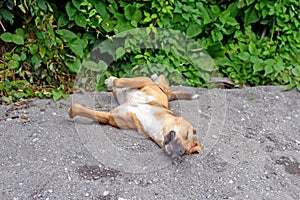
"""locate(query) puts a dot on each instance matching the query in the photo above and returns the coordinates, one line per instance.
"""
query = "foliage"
(252, 42)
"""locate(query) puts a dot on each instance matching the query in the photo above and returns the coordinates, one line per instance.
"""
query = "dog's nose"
(170, 137)
(181, 151)
(178, 153)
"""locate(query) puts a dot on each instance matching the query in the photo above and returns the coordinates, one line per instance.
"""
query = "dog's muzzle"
(173, 147)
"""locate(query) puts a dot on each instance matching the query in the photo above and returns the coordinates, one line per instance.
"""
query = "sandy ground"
(250, 139)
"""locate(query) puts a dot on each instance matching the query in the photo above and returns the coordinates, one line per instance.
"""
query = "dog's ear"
(194, 131)
(195, 148)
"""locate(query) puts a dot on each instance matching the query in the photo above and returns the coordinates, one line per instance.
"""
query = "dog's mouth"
(173, 147)
(174, 150)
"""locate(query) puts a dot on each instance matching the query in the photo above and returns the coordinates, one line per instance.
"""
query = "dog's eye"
(187, 136)
(170, 137)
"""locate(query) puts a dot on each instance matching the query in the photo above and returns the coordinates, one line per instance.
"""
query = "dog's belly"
(132, 96)
(146, 115)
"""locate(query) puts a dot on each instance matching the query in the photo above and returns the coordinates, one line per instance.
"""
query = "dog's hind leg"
(123, 120)
(181, 95)
(175, 95)
(102, 117)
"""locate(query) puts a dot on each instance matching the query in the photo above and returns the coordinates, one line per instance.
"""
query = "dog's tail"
(180, 95)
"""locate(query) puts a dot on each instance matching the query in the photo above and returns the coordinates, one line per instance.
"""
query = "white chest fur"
(145, 114)
(135, 101)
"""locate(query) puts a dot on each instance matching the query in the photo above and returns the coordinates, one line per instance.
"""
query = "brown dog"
(144, 107)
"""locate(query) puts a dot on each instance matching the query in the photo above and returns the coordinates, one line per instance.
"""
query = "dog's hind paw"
(110, 82)
(70, 113)
(73, 110)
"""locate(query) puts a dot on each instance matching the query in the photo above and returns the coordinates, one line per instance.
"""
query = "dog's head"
(178, 138)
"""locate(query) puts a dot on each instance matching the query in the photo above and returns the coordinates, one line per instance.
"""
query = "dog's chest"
(153, 126)
(146, 115)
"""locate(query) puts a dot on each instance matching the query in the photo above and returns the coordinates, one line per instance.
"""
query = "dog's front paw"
(110, 82)
(154, 77)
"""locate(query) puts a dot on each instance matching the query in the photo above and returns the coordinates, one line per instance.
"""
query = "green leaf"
(33, 49)
(21, 32)
(7, 15)
(42, 5)
(193, 30)
(122, 23)
(77, 3)
(67, 35)
(102, 65)
(13, 64)
(18, 39)
(132, 13)
(108, 25)
(268, 69)
(129, 11)
(57, 94)
(216, 35)
(139, 56)
(251, 15)
(244, 56)
(70, 10)
(93, 66)
(80, 20)
(289, 86)
(278, 67)
(23, 56)
(257, 64)
(216, 50)
(74, 66)
(62, 21)
(204, 12)
(120, 52)
(36, 61)
(77, 47)
(231, 21)
(252, 47)
(6, 37)
(100, 7)
(296, 72)
(16, 57)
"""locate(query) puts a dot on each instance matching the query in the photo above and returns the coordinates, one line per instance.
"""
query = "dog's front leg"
(138, 82)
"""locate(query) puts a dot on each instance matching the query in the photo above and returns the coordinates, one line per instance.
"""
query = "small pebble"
(214, 137)
(268, 188)
(105, 193)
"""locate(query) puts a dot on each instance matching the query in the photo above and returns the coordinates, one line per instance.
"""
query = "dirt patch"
(95, 172)
(290, 166)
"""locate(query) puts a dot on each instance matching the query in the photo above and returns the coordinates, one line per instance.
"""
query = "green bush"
(252, 42)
